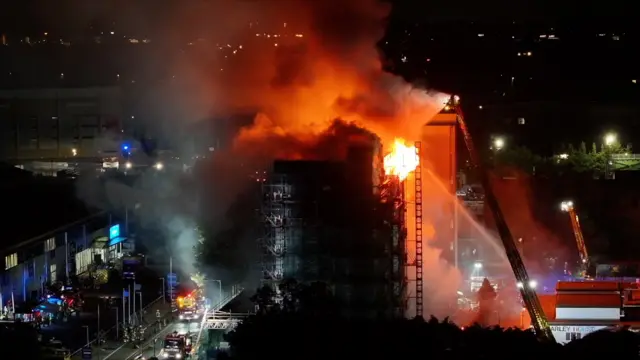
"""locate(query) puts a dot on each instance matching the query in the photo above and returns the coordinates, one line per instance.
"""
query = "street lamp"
(164, 294)
(610, 139)
(498, 143)
(566, 206)
(141, 315)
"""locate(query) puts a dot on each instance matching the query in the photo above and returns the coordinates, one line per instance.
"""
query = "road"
(102, 352)
(152, 347)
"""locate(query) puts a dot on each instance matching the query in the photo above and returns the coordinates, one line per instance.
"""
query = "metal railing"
(110, 330)
(235, 291)
(625, 156)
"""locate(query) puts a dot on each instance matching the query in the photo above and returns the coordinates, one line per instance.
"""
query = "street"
(103, 351)
(150, 347)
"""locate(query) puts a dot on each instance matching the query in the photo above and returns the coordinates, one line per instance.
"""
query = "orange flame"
(402, 160)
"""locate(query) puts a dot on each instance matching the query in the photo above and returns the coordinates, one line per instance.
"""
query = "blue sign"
(114, 232)
(86, 353)
(172, 279)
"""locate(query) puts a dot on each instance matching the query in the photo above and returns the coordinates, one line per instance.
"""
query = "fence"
(110, 332)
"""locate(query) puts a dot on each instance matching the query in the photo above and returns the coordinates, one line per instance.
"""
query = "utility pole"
(133, 310)
(164, 293)
(124, 311)
(66, 257)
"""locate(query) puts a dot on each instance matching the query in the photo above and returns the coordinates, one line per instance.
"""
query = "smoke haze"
(310, 72)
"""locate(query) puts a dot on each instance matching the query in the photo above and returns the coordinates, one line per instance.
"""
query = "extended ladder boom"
(577, 232)
(531, 301)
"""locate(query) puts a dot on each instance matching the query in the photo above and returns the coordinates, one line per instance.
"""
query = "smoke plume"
(310, 72)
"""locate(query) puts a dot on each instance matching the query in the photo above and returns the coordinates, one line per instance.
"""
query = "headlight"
(165, 355)
(178, 356)
(181, 317)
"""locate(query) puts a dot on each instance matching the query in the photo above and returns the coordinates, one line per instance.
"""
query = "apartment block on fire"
(340, 223)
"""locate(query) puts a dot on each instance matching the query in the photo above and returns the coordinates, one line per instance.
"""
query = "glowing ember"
(402, 159)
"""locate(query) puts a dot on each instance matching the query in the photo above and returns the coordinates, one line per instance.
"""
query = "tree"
(264, 300)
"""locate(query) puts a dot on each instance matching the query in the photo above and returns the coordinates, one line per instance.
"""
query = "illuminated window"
(52, 273)
(521, 121)
(50, 244)
(10, 261)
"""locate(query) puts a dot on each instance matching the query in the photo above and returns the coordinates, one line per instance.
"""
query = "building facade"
(337, 223)
(29, 267)
(438, 157)
(60, 124)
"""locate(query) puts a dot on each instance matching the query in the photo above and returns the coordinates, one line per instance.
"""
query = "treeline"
(305, 328)
(569, 158)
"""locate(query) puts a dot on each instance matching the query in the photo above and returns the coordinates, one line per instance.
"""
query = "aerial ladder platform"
(526, 287)
(567, 206)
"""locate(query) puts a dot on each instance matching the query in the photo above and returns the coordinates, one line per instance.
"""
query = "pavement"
(112, 347)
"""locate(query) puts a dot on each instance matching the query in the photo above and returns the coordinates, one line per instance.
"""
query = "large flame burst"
(402, 160)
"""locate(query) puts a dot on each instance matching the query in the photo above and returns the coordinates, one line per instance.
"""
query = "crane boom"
(531, 301)
(577, 232)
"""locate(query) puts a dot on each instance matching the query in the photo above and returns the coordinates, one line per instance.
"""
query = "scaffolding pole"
(418, 224)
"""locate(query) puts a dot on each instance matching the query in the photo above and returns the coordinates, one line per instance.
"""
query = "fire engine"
(176, 346)
(189, 305)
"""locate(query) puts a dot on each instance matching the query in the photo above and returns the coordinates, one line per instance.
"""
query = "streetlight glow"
(477, 265)
(498, 143)
(566, 205)
(610, 139)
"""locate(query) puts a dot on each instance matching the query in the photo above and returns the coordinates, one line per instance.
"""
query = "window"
(10, 261)
(569, 336)
(49, 244)
(521, 121)
(52, 273)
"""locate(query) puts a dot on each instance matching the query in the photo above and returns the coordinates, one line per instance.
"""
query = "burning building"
(341, 223)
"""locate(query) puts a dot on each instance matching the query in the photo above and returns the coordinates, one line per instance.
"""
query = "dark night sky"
(70, 15)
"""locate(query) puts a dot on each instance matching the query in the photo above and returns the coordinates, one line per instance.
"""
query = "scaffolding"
(274, 212)
(418, 225)
(340, 223)
(392, 194)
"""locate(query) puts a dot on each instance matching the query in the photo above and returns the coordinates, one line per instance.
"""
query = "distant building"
(58, 125)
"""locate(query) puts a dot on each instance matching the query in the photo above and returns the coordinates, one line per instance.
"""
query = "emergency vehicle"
(189, 306)
(176, 346)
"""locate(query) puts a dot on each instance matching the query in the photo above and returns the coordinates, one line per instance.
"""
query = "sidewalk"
(111, 346)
